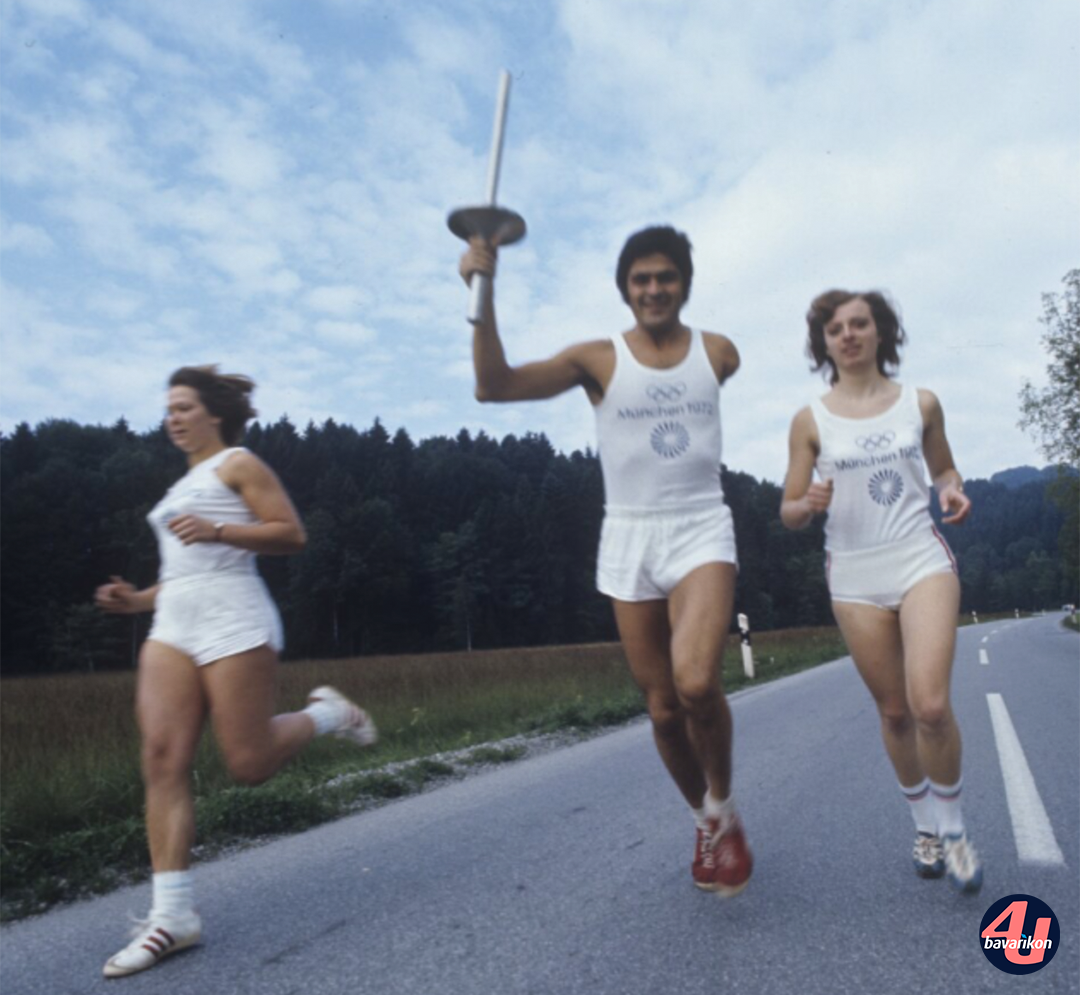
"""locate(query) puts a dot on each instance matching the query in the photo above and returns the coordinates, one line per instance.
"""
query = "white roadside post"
(747, 653)
(974, 618)
(496, 225)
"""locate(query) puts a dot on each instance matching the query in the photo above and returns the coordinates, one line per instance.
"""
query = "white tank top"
(880, 492)
(201, 492)
(658, 432)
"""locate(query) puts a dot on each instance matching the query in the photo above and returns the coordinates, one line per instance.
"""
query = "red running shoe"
(732, 861)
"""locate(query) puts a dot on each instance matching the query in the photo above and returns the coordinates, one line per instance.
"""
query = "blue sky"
(265, 185)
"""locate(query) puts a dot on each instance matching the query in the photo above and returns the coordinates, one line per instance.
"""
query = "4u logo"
(1019, 934)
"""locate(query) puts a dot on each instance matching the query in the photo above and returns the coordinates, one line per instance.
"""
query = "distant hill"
(1020, 475)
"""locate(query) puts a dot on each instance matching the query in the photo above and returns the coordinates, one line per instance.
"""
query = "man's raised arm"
(496, 379)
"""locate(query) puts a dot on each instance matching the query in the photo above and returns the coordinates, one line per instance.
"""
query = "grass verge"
(71, 810)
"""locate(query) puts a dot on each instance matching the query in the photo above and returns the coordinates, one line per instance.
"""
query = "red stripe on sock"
(950, 797)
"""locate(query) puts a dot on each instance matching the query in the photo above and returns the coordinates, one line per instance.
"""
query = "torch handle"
(479, 295)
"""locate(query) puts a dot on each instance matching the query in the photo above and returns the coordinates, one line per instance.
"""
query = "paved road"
(569, 873)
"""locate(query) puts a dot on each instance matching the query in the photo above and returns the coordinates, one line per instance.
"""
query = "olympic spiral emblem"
(665, 393)
(886, 486)
(880, 440)
(670, 439)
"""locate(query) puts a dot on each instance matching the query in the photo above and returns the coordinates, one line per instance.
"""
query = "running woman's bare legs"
(171, 707)
(873, 638)
(928, 622)
(242, 692)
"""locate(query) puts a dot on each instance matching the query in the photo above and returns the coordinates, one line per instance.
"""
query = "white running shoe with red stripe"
(154, 940)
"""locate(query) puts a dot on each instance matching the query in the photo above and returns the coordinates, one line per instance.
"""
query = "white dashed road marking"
(1035, 840)
(983, 658)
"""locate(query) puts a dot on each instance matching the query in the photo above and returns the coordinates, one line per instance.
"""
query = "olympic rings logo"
(872, 443)
(668, 392)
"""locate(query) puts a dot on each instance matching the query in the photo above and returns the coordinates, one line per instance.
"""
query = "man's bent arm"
(496, 379)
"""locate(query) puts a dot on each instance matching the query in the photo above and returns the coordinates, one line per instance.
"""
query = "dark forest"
(446, 544)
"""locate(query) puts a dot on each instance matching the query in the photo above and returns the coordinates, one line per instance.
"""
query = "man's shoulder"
(591, 349)
(601, 345)
(722, 352)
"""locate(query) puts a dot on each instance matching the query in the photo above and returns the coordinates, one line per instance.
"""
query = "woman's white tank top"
(658, 432)
(201, 492)
(880, 491)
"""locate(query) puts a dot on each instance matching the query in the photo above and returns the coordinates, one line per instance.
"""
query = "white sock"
(701, 820)
(950, 822)
(921, 803)
(174, 893)
(326, 716)
(721, 810)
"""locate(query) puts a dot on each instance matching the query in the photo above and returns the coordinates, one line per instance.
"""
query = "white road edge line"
(983, 658)
(1035, 840)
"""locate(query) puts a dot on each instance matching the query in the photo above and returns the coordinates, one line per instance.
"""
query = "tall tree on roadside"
(1052, 413)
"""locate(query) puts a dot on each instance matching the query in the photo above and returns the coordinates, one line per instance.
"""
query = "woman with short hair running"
(213, 647)
(892, 577)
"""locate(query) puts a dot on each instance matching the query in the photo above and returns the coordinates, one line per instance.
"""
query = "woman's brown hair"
(886, 318)
(225, 395)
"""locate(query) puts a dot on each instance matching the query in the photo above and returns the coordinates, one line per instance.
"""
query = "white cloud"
(28, 239)
(116, 302)
(233, 151)
(135, 46)
(340, 300)
(346, 333)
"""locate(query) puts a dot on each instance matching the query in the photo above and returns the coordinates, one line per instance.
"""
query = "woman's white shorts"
(212, 616)
(881, 576)
(645, 553)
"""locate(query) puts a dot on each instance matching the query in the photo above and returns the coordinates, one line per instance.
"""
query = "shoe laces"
(927, 848)
(141, 928)
(705, 852)
(137, 927)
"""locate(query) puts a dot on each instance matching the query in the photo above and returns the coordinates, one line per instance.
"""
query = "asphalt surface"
(569, 873)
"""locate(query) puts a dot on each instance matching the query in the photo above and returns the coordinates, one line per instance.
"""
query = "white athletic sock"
(721, 810)
(174, 893)
(701, 820)
(921, 803)
(326, 716)
(950, 821)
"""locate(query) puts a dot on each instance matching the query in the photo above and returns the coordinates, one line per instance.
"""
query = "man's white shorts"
(212, 616)
(645, 553)
(881, 576)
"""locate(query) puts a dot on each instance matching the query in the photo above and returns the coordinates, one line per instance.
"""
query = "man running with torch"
(667, 550)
